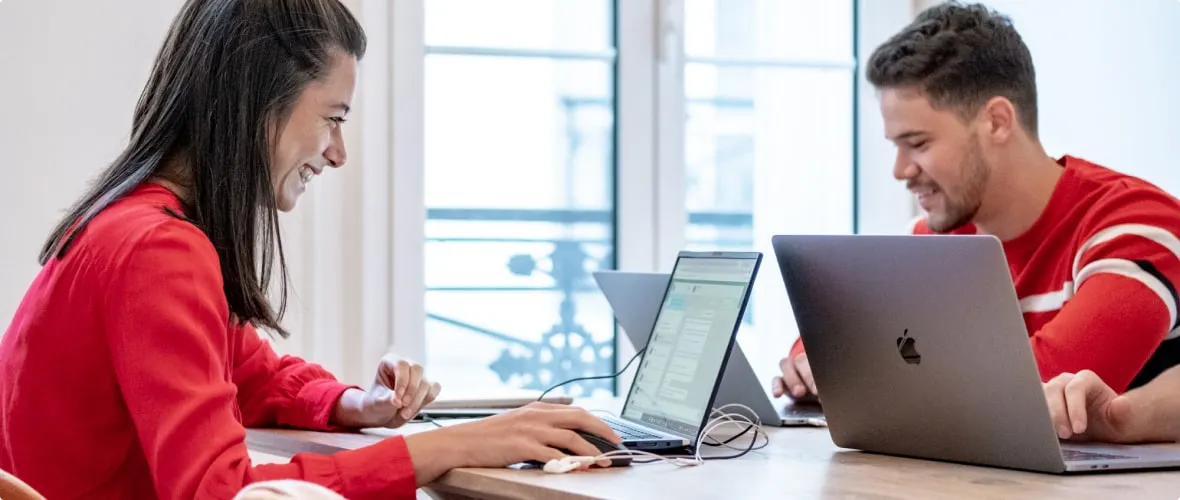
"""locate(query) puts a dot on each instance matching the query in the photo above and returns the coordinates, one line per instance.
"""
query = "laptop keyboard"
(629, 433)
(1079, 456)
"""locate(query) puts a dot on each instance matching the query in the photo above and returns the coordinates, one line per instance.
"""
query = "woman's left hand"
(398, 393)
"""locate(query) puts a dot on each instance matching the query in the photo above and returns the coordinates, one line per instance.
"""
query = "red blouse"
(122, 375)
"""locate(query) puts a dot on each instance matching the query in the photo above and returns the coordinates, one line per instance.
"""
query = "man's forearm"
(1156, 408)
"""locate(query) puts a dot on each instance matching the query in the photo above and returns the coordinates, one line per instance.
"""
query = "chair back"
(12, 488)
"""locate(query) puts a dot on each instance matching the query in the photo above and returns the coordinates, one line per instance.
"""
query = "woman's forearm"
(436, 452)
(349, 409)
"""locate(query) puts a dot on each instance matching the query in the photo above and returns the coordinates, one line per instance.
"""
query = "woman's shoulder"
(145, 222)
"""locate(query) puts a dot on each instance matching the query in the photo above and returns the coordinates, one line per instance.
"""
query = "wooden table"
(799, 463)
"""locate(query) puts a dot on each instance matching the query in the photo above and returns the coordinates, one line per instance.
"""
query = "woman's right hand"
(538, 432)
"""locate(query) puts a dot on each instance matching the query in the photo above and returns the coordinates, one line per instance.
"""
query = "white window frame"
(407, 183)
(637, 195)
(883, 206)
(650, 177)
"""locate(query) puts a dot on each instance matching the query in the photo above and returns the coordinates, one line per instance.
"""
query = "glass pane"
(768, 150)
(521, 24)
(790, 29)
(745, 124)
(520, 211)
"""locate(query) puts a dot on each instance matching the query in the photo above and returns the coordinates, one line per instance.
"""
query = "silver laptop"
(635, 297)
(674, 389)
(919, 349)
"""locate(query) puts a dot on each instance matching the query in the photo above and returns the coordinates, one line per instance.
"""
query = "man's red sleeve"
(797, 348)
(1125, 274)
(1111, 326)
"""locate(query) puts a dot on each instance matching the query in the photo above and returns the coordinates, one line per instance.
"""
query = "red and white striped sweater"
(1097, 275)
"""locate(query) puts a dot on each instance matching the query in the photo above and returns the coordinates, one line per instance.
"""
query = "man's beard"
(961, 207)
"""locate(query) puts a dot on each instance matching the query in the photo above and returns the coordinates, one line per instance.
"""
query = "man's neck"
(1018, 193)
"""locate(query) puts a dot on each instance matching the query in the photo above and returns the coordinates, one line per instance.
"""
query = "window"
(768, 137)
(742, 127)
(519, 180)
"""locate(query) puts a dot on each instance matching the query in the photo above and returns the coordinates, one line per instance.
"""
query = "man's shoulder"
(1114, 197)
(1107, 182)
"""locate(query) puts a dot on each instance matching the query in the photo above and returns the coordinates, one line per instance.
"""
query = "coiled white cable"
(718, 418)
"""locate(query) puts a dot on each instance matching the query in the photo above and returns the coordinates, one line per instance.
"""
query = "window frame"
(649, 193)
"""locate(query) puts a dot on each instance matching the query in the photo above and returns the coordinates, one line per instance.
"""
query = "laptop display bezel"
(756, 257)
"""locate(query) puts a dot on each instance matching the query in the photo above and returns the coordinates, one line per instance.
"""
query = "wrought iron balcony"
(566, 349)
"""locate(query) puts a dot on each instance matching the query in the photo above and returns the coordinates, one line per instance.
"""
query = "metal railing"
(562, 347)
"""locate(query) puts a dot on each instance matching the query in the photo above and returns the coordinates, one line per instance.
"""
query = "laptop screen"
(674, 384)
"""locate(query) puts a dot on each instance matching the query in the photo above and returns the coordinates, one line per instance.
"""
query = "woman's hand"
(398, 393)
(538, 431)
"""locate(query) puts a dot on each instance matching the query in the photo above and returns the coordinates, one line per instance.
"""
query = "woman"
(133, 366)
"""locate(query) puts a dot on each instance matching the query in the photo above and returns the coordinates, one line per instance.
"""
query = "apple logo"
(909, 352)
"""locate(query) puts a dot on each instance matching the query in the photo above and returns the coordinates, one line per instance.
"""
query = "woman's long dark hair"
(222, 87)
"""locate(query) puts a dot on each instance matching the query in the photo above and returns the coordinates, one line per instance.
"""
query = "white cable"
(558, 466)
(736, 418)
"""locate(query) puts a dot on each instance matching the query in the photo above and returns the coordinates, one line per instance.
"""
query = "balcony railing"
(567, 263)
(566, 349)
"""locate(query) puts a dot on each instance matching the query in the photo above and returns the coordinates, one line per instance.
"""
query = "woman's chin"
(286, 203)
(287, 195)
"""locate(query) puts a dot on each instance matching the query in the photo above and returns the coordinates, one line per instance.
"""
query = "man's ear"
(999, 119)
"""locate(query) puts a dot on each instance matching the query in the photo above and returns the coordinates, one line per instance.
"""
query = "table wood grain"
(799, 463)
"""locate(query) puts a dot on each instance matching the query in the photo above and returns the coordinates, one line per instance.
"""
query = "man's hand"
(538, 432)
(796, 380)
(1084, 408)
(398, 393)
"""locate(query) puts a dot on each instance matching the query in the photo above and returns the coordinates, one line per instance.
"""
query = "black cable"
(753, 441)
(731, 438)
(597, 377)
(427, 419)
(745, 451)
(748, 449)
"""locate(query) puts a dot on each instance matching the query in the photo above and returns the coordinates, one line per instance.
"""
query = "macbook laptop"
(675, 386)
(635, 299)
(919, 349)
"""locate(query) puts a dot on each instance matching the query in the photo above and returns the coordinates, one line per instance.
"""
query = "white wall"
(1108, 78)
(71, 74)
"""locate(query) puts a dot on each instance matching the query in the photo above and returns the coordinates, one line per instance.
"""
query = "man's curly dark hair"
(960, 56)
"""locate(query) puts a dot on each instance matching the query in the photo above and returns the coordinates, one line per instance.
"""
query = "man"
(1093, 253)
